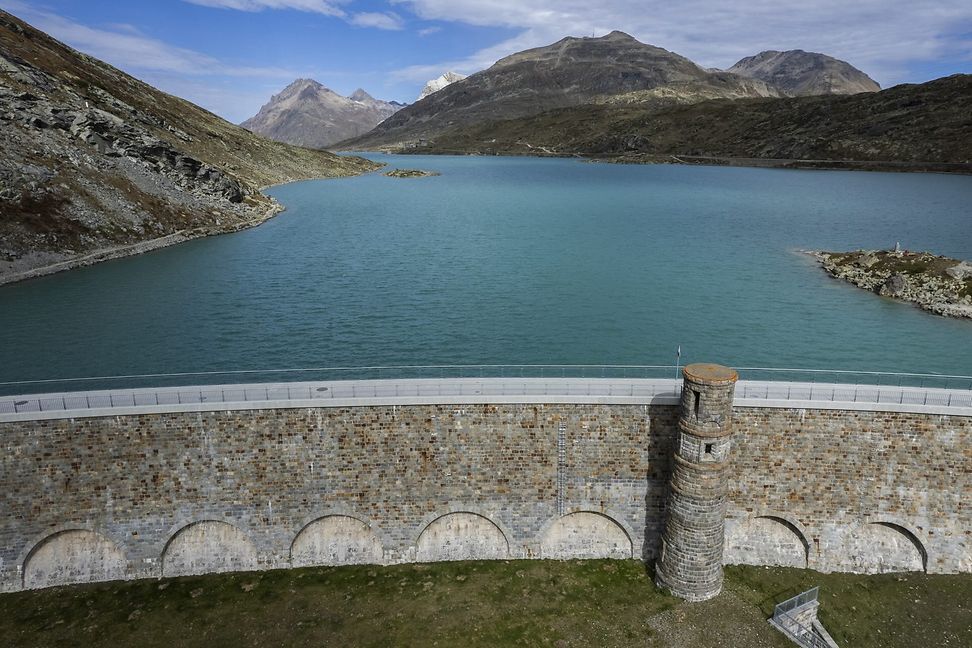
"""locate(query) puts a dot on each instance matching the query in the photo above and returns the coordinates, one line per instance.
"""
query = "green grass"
(882, 610)
(510, 603)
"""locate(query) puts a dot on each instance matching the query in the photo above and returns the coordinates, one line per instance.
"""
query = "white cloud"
(388, 20)
(313, 6)
(126, 47)
(880, 37)
(428, 31)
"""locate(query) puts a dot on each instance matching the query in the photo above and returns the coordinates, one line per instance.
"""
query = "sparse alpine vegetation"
(934, 283)
(921, 127)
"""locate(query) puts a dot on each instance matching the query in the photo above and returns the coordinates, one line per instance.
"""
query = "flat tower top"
(709, 373)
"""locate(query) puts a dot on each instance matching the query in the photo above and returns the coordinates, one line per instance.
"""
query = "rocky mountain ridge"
(612, 69)
(801, 74)
(96, 164)
(934, 283)
(306, 113)
(570, 72)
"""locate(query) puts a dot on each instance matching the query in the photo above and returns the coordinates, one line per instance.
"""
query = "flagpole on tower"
(678, 356)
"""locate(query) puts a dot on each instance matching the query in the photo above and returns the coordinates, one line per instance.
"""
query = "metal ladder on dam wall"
(797, 619)
(561, 468)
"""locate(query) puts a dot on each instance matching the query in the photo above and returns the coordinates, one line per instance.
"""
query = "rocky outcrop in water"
(95, 164)
(411, 173)
(934, 283)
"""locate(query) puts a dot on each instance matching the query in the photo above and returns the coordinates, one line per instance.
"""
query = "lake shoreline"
(183, 236)
(946, 168)
(122, 251)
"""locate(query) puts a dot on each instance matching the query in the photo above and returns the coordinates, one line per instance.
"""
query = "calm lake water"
(514, 261)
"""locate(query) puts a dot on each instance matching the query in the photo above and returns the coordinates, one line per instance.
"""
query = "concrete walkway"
(459, 391)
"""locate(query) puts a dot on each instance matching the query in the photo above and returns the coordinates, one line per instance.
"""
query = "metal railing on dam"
(467, 389)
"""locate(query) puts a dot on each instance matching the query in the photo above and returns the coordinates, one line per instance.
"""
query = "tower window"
(708, 448)
(698, 400)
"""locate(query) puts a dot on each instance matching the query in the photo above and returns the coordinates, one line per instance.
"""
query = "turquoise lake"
(514, 261)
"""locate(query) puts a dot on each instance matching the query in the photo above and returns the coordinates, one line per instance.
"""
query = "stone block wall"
(856, 491)
(177, 493)
(182, 493)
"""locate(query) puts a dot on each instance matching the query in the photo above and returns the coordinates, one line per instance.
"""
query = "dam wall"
(91, 496)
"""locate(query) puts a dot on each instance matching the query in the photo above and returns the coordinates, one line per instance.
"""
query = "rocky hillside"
(799, 74)
(934, 283)
(439, 82)
(907, 127)
(571, 72)
(96, 164)
(306, 113)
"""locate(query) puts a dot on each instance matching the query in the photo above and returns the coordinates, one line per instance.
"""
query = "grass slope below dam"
(524, 603)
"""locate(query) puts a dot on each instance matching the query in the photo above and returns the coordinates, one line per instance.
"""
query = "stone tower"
(690, 562)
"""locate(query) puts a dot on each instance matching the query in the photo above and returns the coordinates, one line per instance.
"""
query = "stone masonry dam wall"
(160, 494)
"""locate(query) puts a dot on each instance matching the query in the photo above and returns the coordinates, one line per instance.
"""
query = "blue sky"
(231, 55)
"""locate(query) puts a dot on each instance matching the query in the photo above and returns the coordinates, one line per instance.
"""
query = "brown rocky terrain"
(305, 113)
(923, 127)
(96, 164)
(934, 283)
(801, 74)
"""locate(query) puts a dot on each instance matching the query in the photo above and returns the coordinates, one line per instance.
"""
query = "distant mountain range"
(96, 164)
(306, 113)
(569, 97)
(614, 97)
(570, 72)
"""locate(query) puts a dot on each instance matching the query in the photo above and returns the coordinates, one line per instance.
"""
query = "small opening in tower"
(708, 448)
(698, 399)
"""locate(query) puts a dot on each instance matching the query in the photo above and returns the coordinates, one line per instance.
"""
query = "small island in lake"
(934, 283)
(411, 173)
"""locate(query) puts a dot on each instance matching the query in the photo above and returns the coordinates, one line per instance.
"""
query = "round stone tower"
(690, 561)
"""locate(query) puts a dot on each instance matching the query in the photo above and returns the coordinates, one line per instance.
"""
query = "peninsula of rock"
(937, 284)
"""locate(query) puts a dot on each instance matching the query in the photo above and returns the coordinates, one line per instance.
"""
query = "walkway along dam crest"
(689, 476)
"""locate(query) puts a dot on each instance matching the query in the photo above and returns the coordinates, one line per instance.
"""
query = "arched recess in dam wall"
(336, 540)
(208, 547)
(73, 556)
(881, 547)
(585, 534)
(462, 535)
(766, 540)
(179, 493)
